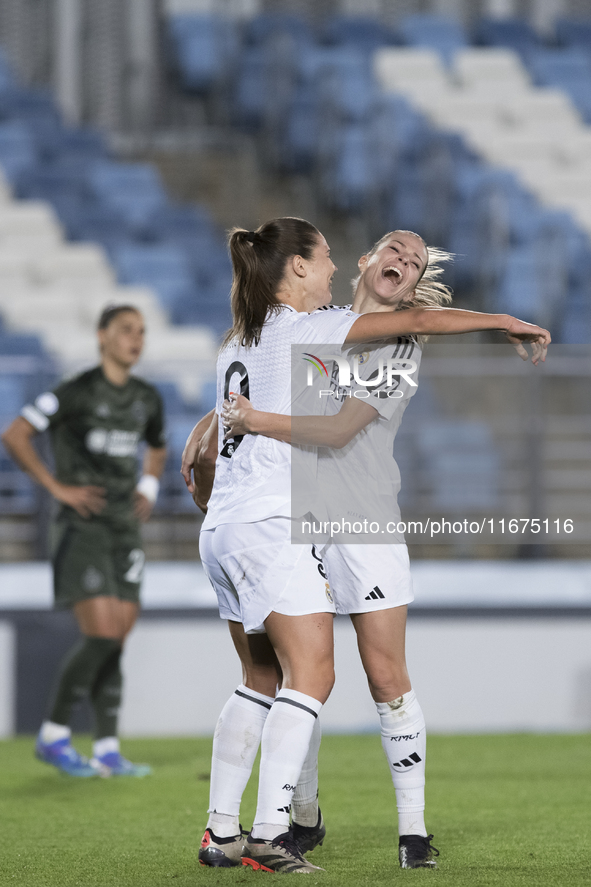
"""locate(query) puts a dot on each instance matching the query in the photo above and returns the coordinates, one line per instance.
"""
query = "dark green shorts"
(93, 558)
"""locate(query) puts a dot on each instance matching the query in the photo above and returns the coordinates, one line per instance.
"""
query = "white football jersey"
(361, 481)
(253, 473)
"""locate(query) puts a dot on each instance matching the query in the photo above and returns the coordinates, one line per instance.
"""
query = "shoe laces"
(287, 842)
(433, 849)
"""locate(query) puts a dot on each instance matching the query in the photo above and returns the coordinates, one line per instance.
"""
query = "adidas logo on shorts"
(376, 594)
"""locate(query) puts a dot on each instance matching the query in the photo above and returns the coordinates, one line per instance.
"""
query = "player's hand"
(519, 332)
(236, 415)
(142, 507)
(85, 500)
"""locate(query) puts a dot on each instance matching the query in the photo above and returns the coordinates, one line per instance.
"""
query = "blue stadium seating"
(203, 46)
(574, 32)
(18, 494)
(18, 151)
(438, 32)
(567, 69)
(360, 31)
(515, 33)
(14, 344)
(461, 463)
(268, 25)
(12, 394)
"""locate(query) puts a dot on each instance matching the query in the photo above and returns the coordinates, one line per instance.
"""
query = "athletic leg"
(113, 618)
(381, 640)
(97, 650)
(304, 648)
(239, 728)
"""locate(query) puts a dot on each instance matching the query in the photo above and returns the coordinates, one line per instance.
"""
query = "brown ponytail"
(258, 264)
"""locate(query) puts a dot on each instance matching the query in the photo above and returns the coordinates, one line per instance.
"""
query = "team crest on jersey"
(328, 593)
(139, 411)
(103, 410)
(112, 443)
(363, 357)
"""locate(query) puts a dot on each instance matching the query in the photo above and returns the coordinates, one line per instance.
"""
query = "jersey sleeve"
(155, 434)
(51, 407)
(327, 326)
(392, 389)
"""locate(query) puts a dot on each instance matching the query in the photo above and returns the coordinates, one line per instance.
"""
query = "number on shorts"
(236, 367)
(137, 558)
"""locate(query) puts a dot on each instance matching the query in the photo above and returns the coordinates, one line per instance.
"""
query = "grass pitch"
(505, 810)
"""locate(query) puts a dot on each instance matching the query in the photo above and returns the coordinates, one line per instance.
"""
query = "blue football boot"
(114, 764)
(63, 755)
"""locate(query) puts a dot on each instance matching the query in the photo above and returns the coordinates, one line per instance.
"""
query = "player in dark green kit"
(97, 422)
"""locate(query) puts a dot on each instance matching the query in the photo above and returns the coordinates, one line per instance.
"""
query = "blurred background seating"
(121, 166)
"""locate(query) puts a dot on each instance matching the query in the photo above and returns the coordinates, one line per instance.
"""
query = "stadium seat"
(74, 264)
(174, 405)
(348, 180)
(12, 392)
(491, 69)
(401, 70)
(348, 92)
(208, 396)
(134, 190)
(203, 46)
(270, 24)
(146, 263)
(574, 32)
(15, 345)
(552, 67)
(250, 89)
(524, 290)
(31, 222)
(461, 465)
(439, 32)
(18, 494)
(513, 33)
(360, 31)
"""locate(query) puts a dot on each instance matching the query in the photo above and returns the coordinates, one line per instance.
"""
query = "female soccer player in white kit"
(246, 540)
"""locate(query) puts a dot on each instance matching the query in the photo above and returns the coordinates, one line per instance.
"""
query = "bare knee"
(387, 680)
(262, 680)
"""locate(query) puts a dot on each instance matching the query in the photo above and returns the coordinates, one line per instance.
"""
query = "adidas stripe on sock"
(404, 741)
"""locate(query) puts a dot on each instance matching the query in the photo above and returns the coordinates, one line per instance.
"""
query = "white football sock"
(235, 746)
(284, 746)
(52, 732)
(105, 746)
(304, 808)
(404, 739)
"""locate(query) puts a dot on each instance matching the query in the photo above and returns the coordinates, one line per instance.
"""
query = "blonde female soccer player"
(281, 272)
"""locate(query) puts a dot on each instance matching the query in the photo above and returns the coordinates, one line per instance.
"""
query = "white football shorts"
(255, 569)
(368, 577)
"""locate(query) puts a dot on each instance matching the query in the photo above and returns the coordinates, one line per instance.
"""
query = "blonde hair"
(430, 291)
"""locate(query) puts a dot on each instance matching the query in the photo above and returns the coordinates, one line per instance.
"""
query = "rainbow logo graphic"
(316, 362)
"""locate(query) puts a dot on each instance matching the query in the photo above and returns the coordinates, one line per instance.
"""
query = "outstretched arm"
(336, 431)
(446, 321)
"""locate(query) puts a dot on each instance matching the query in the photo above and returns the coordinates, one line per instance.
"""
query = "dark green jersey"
(96, 429)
